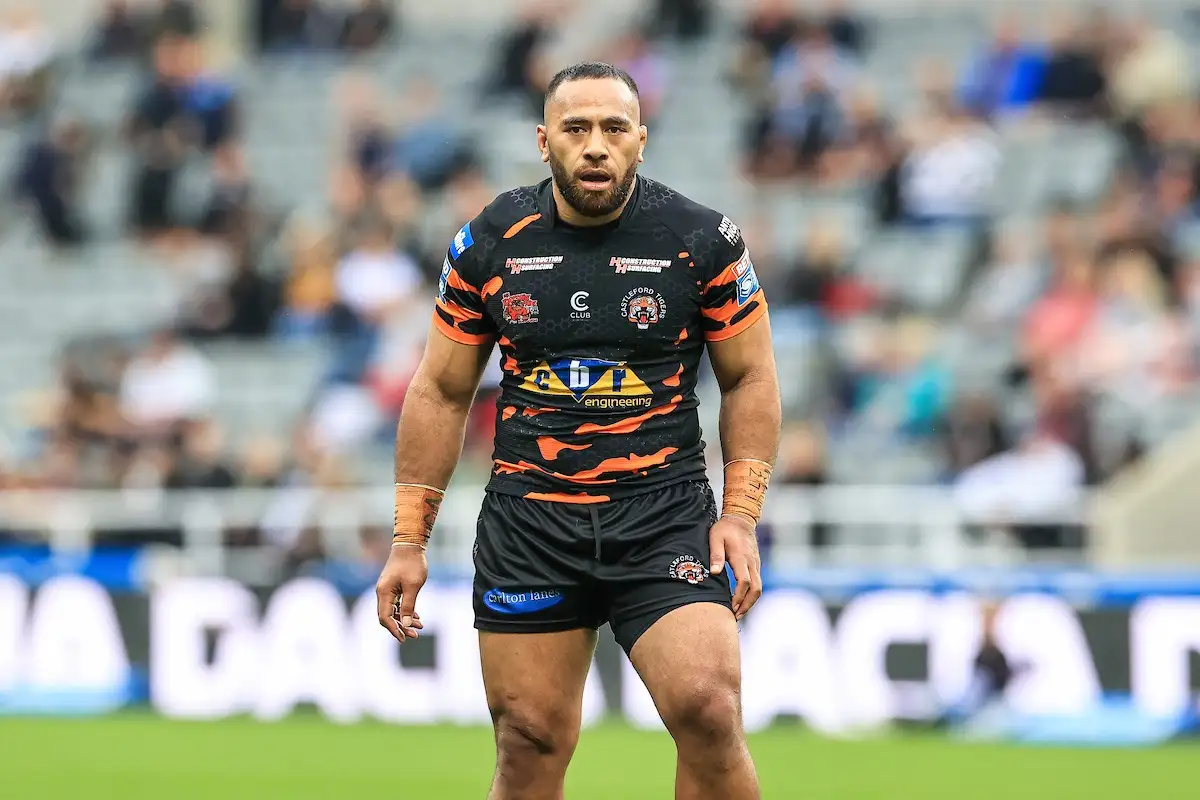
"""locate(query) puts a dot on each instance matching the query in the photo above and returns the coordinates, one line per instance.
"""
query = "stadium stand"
(983, 234)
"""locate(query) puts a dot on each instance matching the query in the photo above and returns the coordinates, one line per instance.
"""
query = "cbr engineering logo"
(592, 382)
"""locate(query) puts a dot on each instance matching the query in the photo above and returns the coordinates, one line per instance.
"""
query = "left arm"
(751, 413)
(737, 330)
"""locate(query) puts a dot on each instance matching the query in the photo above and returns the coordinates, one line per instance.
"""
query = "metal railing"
(896, 525)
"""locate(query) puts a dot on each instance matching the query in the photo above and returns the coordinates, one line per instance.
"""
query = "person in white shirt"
(167, 383)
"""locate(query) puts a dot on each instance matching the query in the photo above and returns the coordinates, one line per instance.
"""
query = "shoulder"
(478, 238)
(713, 239)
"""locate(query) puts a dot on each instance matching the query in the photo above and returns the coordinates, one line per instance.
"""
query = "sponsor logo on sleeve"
(462, 240)
(729, 231)
(444, 279)
(747, 282)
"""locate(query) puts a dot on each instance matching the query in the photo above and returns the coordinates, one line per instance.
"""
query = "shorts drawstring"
(595, 515)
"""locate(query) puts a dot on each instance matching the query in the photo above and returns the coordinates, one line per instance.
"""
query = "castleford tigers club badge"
(688, 568)
(643, 307)
(519, 309)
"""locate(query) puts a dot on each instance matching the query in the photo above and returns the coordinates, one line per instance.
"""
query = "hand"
(732, 541)
(396, 592)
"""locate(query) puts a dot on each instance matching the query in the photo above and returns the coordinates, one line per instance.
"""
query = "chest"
(624, 292)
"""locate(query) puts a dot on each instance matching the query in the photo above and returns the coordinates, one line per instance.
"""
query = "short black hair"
(590, 70)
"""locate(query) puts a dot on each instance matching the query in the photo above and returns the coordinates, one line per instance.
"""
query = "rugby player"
(602, 289)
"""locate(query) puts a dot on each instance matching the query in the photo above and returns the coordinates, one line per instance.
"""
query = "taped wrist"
(416, 510)
(745, 491)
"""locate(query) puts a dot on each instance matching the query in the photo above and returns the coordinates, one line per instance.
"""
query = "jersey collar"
(549, 211)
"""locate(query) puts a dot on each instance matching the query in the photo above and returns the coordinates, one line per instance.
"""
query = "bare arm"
(750, 419)
(750, 404)
(433, 420)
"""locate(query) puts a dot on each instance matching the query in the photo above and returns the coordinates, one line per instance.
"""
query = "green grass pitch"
(305, 758)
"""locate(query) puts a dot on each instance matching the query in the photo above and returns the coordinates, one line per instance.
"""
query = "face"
(593, 141)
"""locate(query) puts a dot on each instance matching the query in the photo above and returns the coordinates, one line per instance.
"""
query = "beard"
(592, 203)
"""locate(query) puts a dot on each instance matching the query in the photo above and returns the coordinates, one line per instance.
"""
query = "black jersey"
(601, 332)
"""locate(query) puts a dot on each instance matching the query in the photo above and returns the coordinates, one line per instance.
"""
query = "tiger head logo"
(689, 569)
(643, 307)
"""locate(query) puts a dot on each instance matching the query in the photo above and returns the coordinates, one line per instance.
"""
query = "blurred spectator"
(50, 180)
(801, 462)
(1057, 322)
(808, 87)
(861, 152)
(200, 464)
(167, 383)
(638, 56)
(298, 26)
(209, 100)
(901, 369)
(971, 432)
(374, 282)
(1074, 80)
(119, 33)
(1007, 285)
(772, 26)
(846, 29)
(951, 162)
(1152, 69)
(1007, 76)
(157, 129)
(309, 291)
(819, 278)
(236, 302)
(518, 52)
(430, 147)
(262, 462)
(1022, 488)
(367, 26)
(27, 53)
(229, 210)
(364, 130)
(686, 20)
(1134, 348)
(177, 18)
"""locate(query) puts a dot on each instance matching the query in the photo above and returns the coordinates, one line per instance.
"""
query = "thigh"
(534, 681)
(533, 562)
(659, 559)
(690, 661)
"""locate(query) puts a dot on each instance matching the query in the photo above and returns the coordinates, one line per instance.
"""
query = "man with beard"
(602, 289)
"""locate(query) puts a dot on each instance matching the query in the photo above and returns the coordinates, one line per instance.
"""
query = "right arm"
(433, 420)
(432, 423)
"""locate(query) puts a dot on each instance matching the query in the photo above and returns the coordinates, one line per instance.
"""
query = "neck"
(570, 215)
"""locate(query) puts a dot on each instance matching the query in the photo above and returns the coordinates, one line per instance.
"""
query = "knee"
(526, 733)
(705, 716)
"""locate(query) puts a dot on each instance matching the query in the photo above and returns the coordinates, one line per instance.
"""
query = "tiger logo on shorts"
(688, 568)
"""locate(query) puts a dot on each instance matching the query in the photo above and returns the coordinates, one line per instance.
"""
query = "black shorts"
(543, 566)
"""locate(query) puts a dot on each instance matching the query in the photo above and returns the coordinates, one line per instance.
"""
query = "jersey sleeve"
(460, 312)
(732, 299)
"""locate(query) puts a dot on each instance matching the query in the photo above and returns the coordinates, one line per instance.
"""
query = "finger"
(716, 546)
(756, 588)
(413, 629)
(408, 605)
(385, 600)
(741, 571)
